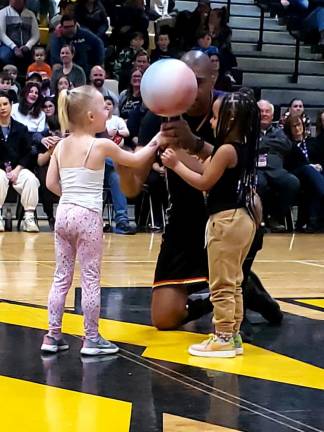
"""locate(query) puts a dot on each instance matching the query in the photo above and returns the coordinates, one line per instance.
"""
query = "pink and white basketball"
(169, 87)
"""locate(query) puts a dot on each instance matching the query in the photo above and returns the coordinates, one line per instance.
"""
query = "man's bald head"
(97, 76)
(202, 68)
(199, 61)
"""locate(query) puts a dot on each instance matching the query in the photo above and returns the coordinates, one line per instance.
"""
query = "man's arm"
(3, 28)
(34, 34)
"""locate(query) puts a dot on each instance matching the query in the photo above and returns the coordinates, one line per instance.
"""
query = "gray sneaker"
(52, 345)
(98, 347)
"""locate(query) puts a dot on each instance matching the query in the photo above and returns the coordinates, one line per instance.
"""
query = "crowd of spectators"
(107, 44)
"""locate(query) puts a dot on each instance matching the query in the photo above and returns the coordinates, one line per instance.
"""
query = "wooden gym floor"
(153, 385)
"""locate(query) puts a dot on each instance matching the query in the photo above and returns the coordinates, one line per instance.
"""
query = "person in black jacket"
(309, 174)
(16, 162)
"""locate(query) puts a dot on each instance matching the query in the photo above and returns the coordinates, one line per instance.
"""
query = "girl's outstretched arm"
(134, 160)
(225, 157)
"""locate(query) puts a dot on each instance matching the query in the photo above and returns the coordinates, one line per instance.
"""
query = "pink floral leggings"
(78, 232)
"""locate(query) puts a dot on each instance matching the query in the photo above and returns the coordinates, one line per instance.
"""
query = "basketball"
(169, 87)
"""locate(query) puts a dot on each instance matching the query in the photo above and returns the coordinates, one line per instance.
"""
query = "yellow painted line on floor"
(173, 423)
(301, 310)
(31, 407)
(172, 347)
(312, 302)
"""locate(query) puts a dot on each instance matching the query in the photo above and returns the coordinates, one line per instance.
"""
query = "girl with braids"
(76, 173)
(229, 178)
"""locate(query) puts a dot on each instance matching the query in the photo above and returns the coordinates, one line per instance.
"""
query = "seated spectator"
(131, 99)
(310, 175)
(141, 62)
(61, 83)
(39, 65)
(310, 15)
(52, 123)
(29, 109)
(116, 130)
(296, 107)
(316, 144)
(97, 79)
(66, 7)
(5, 86)
(18, 32)
(126, 57)
(277, 187)
(203, 41)
(72, 71)
(16, 162)
(34, 77)
(129, 19)
(222, 81)
(89, 49)
(162, 50)
(218, 29)
(46, 143)
(91, 14)
(13, 73)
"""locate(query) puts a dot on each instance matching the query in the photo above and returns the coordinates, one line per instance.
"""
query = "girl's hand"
(169, 158)
(155, 141)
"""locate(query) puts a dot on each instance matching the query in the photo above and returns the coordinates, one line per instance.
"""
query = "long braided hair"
(239, 123)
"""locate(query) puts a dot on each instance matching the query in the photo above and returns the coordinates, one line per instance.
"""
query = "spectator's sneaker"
(215, 346)
(98, 347)
(238, 344)
(2, 225)
(29, 224)
(124, 228)
(52, 345)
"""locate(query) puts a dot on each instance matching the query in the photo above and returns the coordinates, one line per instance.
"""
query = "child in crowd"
(126, 57)
(13, 73)
(76, 173)
(39, 65)
(5, 86)
(162, 49)
(229, 178)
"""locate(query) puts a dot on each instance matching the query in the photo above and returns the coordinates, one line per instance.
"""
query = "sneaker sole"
(239, 351)
(98, 351)
(54, 348)
(213, 354)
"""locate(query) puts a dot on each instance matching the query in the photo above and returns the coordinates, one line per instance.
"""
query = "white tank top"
(80, 185)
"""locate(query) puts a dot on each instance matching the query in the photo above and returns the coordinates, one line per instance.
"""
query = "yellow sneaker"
(215, 346)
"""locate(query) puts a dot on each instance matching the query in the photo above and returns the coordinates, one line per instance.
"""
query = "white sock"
(29, 214)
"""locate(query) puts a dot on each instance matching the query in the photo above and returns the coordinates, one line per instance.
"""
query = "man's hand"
(169, 158)
(18, 52)
(13, 174)
(177, 134)
(24, 49)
